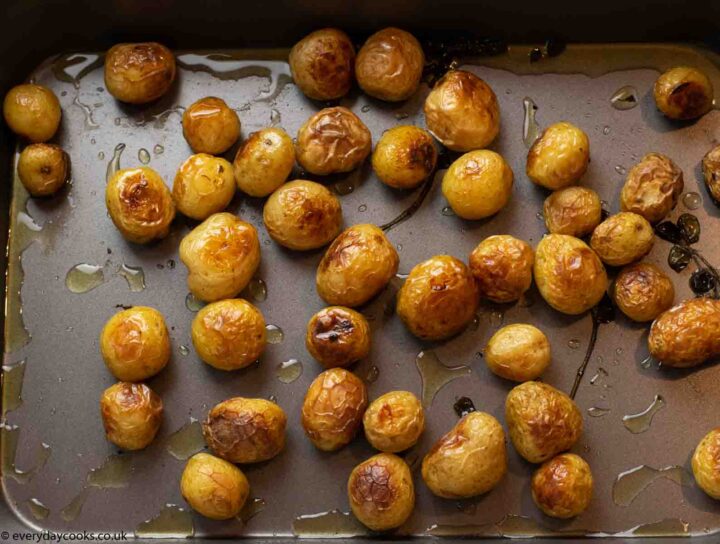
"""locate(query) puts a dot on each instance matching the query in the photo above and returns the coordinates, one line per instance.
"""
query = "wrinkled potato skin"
(559, 157)
(711, 172)
(394, 421)
(138, 73)
(302, 215)
(213, 487)
(438, 299)
(706, 464)
(43, 169)
(222, 253)
(469, 460)
(131, 414)
(687, 334)
(652, 187)
(569, 275)
(32, 111)
(462, 112)
(210, 126)
(203, 185)
(562, 487)
(502, 266)
(332, 141)
(642, 291)
(404, 157)
(683, 93)
(541, 420)
(140, 204)
(574, 211)
(264, 161)
(622, 238)
(333, 409)
(360, 251)
(338, 336)
(518, 352)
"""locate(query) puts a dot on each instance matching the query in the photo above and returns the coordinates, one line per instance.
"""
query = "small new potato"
(213, 487)
(338, 336)
(562, 487)
(574, 211)
(264, 161)
(642, 291)
(469, 460)
(138, 73)
(622, 238)
(210, 126)
(404, 157)
(683, 93)
(394, 421)
(43, 169)
(559, 157)
(706, 464)
(518, 352)
(502, 266)
(711, 172)
(203, 185)
(32, 111)
(652, 187)
(131, 415)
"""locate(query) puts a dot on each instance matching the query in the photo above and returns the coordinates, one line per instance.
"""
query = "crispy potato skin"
(222, 253)
(683, 93)
(242, 430)
(711, 172)
(138, 73)
(43, 169)
(32, 111)
(333, 409)
(642, 291)
(502, 267)
(652, 187)
(541, 420)
(518, 352)
(381, 492)
(469, 460)
(706, 464)
(360, 251)
(559, 157)
(562, 487)
(574, 211)
(131, 415)
(213, 487)
(569, 275)
(622, 239)
(687, 334)
(264, 161)
(394, 421)
(338, 336)
(203, 185)
(462, 112)
(302, 215)
(404, 157)
(140, 204)
(210, 126)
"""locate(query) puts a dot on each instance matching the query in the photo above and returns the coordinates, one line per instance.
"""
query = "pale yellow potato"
(562, 487)
(203, 185)
(32, 111)
(502, 266)
(706, 464)
(43, 169)
(574, 211)
(264, 161)
(622, 238)
(404, 157)
(642, 291)
(652, 187)
(711, 172)
(131, 415)
(213, 487)
(138, 73)
(518, 352)
(683, 93)
(210, 126)
(559, 157)
(338, 336)
(394, 421)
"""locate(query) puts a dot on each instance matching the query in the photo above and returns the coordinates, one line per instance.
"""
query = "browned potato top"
(43, 169)
(32, 111)
(139, 72)
(502, 266)
(210, 126)
(683, 92)
(338, 336)
(562, 487)
(652, 187)
(559, 157)
(622, 238)
(574, 211)
(711, 172)
(642, 291)
(706, 464)
(131, 414)
(404, 157)
(213, 487)
(394, 421)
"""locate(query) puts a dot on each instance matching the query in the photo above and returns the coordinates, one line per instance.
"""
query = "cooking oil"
(143, 156)
(173, 521)
(332, 524)
(625, 98)
(184, 350)
(90, 123)
(629, 484)
(158, 149)
(372, 374)
(447, 211)
(114, 164)
(435, 375)
(10, 436)
(692, 200)
(72, 68)
(640, 422)
(186, 441)
(274, 334)
(289, 371)
(134, 276)
(251, 509)
(38, 510)
(531, 130)
(193, 303)
(12, 381)
(258, 290)
(597, 411)
(84, 277)
(664, 528)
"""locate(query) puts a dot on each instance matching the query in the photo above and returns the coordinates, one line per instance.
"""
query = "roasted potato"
(652, 187)
(562, 487)
(213, 487)
(222, 253)
(711, 172)
(642, 291)
(333, 408)
(264, 161)
(338, 336)
(394, 421)
(131, 414)
(404, 157)
(203, 185)
(622, 238)
(568, 274)
(32, 111)
(706, 464)
(469, 460)
(541, 420)
(139, 73)
(502, 266)
(210, 126)
(43, 169)
(574, 211)
(559, 157)
(518, 352)
(360, 251)
(683, 93)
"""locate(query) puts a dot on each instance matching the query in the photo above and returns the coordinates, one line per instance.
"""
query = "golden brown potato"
(462, 112)
(131, 414)
(706, 464)
(222, 253)
(562, 487)
(502, 266)
(360, 251)
(394, 421)
(469, 460)
(389, 65)
(302, 215)
(559, 157)
(213, 487)
(642, 291)
(574, 211)
(333, 408)
(541, 420)
(264, 161)
(711, 172)
(203, 185)
(404, 157)
(569, 275)
(322, 64)
(210, 126)
(652, 187)
(381, 492)
(683, 93)
(32, 111)
(622, 238)
(229, 334)
(43, 169)
(518, 352)
(687, 334)
(242, 430)
(140, 204)
(139, 73)
(338, 336)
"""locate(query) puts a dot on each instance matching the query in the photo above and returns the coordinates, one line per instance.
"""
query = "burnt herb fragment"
(702, 281)
(535, 54)
(669, 231)
(554, 47)
(690, 227)
(679, 257)
(463, 406)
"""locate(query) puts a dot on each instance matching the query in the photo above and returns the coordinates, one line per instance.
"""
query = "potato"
(332, 141)
(518, 352)
(302, 215)
(140, 205)
(642, 291)
(203, 185)
(706, 464)
(264, 161)
(541, 420)
(562, 487)
(559, 157)
(135, 344)
(242, 430)
(322, 64)
(711, 172)
(574, 211)
(213, 487)
(652, 187)
(394, 421)
(687, 334)
(404, 157)
(43, 169)
(139, 73)
(478, 184)
(462, 112)
(333, 409)
(390, 64)
(229, 334)
(131, 415)
(222, 253)
(469, 460)
(683, 93)
(569, 275)
(502, 266)
(32, 112)
(622, 238)
(338, 336)
(381, 492)
(360, 251)
(210, 126)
